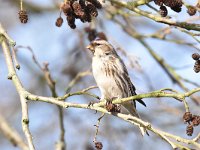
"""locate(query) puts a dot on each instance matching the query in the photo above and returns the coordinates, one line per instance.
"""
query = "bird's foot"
(110, 107)
(91, 104)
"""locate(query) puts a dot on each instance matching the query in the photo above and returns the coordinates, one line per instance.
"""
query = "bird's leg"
(91, 103)
(112, 107)
(109, 106)
(118, 106)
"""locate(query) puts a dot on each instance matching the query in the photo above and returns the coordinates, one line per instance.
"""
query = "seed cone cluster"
(192, 120)
(196, 57)
(175, 5)
(59, 22)
(189, 130)
(191, 10)
(98, 145)
(23, 16)
(79, 9)
(93, 34)
(163, 11)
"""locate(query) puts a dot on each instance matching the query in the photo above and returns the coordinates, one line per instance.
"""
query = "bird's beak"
(91, 48)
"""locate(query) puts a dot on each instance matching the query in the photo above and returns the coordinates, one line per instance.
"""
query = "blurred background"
(64, 49)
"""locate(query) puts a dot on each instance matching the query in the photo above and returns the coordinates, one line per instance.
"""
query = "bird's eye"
(97, 44)
(107, 53)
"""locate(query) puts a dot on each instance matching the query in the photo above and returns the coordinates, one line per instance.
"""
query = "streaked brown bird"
(112, 77)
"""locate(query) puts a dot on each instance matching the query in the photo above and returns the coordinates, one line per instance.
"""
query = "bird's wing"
(132, 89)
(130, 84)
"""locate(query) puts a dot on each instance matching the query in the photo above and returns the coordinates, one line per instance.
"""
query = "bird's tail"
(143, 130)
(133, 112)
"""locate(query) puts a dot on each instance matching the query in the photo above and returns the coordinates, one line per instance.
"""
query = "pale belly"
(109, 88)
(107, 85)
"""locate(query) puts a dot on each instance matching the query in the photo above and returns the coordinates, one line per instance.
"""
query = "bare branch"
(11, 134)
(131, 6)
(12, 75)
(97, 127)
(167, 68)
(76, 79)
(173, 140)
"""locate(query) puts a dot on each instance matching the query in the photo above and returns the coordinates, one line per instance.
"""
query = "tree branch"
(12, 75)
(24, 95)
(11, 134)
(61, 144)
(167, 68)
(133, 7)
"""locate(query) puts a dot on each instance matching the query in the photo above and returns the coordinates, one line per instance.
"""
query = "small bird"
(112, 77)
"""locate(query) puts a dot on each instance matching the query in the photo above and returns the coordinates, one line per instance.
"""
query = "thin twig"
(132, 6)
(21, 4)
(153, 8)
(78, 93)
(5, 36)
(12, 134)
(97, 127)
(16, 49)
(76, 79)
(17, 65)
(167, 68)
(12, 75)
(197, 138)
(89, 88)
(191, 82)
(61, 144)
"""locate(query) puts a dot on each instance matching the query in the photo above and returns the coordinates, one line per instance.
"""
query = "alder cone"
(189, 130)
(59, 22)
(98, 145)
(78, 11)
(159, 2)
(91, 9)
(71, 21)
(191, 11)
(66, 8)
(96, 3)
(23, 16)
(195, 120)
(195, 56)
(197, 66)
(187, 117)
(163, 11)
(176, 9)
(173, 3)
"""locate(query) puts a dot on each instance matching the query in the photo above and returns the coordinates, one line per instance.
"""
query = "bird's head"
(101, 48)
